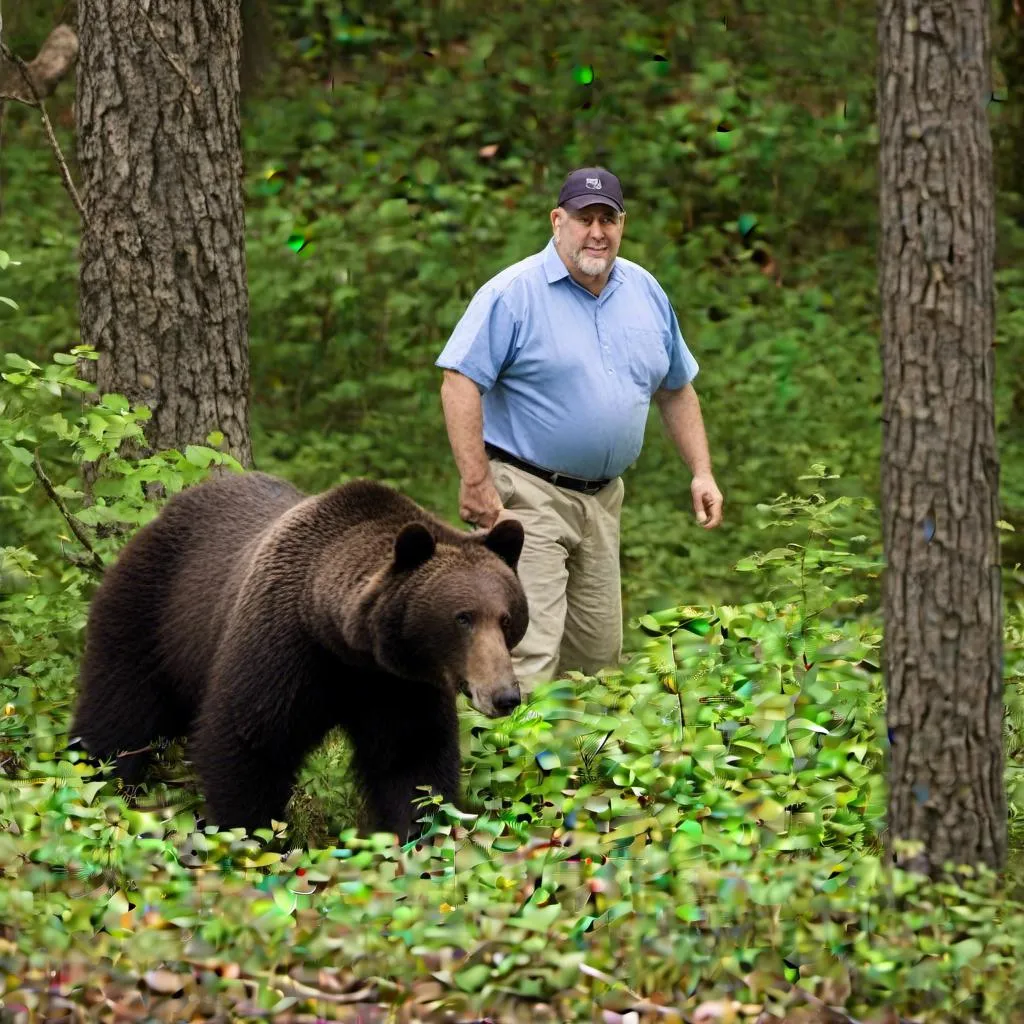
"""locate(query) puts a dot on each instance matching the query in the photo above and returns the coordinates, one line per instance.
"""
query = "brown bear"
(253, 618)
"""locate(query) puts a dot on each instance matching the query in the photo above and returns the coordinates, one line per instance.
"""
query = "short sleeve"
(483, 339)
(682, 367)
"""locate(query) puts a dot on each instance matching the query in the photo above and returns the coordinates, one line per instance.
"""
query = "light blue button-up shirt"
(566, 376)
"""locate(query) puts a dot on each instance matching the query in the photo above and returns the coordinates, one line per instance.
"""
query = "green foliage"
(704, 823)
(402, 154)
(47, 433)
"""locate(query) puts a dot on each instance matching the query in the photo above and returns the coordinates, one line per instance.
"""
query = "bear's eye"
(506, 622)
(464, 619)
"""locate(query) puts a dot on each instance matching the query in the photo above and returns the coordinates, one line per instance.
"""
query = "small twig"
(640, 1005)
(140, 750)
(38, 102)
(809, 997)
(3, 124)
(175, 62)
(296, 988)
(76, 526)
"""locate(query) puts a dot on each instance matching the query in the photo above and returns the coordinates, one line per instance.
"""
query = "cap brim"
(591, 199)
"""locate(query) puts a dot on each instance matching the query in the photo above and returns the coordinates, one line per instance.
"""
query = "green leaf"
(19, 454)
(701, 627)
(323, 131)
(427, 170)
(198, 456)
(965, 951)
(13, 359)
(472, 979)
(284, 900)
(537, 919)
(803, 723)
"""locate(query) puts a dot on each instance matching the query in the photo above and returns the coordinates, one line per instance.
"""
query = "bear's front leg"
(244, 786)
(263, 713)
(400, 744)
(391, 798)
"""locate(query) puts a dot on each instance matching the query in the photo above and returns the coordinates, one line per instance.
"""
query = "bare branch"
(55, 59)
(76, 527)
(37, 101)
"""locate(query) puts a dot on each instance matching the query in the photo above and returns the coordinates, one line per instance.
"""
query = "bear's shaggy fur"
(253, 619)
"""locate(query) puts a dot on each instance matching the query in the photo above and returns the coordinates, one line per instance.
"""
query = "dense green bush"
(627, 836)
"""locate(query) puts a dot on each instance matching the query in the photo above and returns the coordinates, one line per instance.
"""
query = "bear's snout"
(495, 700)
(507, 700)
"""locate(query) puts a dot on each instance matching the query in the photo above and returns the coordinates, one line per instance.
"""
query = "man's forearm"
(680, 412)
(464, 418)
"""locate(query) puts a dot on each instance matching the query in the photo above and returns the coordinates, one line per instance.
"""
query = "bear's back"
(208, 535)
(360, 520)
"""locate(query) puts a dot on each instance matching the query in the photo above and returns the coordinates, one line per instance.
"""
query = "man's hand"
(707, 501)
(479, 503)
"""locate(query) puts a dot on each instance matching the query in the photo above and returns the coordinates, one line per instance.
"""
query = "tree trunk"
(163, 290)
(940, 467)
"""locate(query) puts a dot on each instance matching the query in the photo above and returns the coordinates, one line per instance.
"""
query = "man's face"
(588, 238)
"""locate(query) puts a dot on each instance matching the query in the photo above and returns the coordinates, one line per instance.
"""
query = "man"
(567, 347)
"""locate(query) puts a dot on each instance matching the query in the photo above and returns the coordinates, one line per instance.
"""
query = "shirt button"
(610, 370)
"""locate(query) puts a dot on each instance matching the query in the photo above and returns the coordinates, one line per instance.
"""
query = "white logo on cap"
(593, 182)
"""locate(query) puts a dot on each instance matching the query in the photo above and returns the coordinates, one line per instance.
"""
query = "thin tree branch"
(55, 59)
(38, 102)
(3, 125)
(76, 527)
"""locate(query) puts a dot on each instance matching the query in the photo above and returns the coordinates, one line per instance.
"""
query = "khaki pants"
(569, 569)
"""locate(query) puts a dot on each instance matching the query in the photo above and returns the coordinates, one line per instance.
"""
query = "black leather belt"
(573, 483)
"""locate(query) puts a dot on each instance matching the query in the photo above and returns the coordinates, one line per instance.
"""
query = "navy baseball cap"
(589, 185)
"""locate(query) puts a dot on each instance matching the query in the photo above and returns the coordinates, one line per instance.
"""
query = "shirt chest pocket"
(648, 360)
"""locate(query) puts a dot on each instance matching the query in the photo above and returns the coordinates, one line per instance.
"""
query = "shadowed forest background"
(393, 162)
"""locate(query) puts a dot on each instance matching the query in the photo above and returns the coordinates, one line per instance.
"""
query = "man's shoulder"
(634, 273)
(516, 277)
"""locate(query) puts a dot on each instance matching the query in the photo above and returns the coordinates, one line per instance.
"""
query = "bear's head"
(461, 610)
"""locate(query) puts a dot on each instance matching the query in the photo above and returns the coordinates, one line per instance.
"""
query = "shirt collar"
(554, 268)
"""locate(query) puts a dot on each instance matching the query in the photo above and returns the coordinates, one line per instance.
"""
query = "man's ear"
(506, 539)
(414, 545)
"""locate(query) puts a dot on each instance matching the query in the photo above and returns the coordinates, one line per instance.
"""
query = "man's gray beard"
(592, 266)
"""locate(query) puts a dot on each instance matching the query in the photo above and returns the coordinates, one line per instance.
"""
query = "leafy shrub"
(702, 826)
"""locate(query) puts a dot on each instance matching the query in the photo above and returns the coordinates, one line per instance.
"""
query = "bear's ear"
(505, 539)
(413, 546)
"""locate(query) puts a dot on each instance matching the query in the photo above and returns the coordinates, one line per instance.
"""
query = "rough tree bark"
(163, 288)
(940, 467)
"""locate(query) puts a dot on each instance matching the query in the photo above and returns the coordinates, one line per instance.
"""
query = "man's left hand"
(707, 501)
